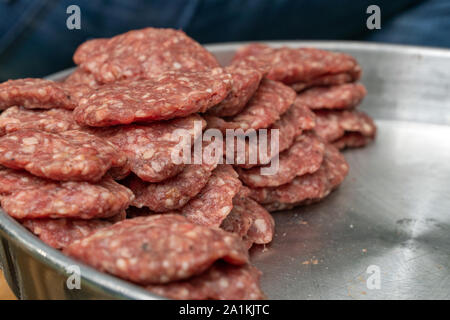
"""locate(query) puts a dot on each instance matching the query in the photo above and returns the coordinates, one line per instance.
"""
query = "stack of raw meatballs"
(105, 165)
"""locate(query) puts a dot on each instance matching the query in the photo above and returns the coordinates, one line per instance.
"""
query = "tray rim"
(14, 232)
(345, 44)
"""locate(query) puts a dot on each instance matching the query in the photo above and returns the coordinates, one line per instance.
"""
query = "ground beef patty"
(52, 120)
(59, 233)
(246, 77)
(335, 125)
(171, 95)
(140, 54)
(269, 102)
(173, 193)
(304, 67)
(215, 201)
(65, 156)
(220, 282)
(81, 77)
(149, 148)
(26, 196)
(352, 140)
(34, 94)
(249, 220)
(157, 249)
(307, 188)
(344, 96)
(304, 156)
(298, 118)
(292, 123)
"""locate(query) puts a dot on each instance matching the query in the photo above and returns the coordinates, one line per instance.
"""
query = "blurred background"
(35, 41)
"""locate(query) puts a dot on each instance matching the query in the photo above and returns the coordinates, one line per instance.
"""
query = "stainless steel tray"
(389, 221)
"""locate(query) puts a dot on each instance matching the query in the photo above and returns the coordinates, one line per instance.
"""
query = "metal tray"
(384, 234)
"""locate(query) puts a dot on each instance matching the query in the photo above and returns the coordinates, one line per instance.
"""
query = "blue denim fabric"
(426, 24)
(34, 40)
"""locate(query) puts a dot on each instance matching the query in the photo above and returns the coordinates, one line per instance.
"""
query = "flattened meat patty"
(307, 188)
(212, 205)
(66, 156)
(25, 196)
(157, 249)
(149, 148)
(52, 120)
(304, 156)
(140, 54)
(344, 96)
(220, 282)
(335, 125)
(59, 233)
(246, 77)
(171, 95)
(173, 193)
(34, 94)
(269, 102)
(304, 67)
